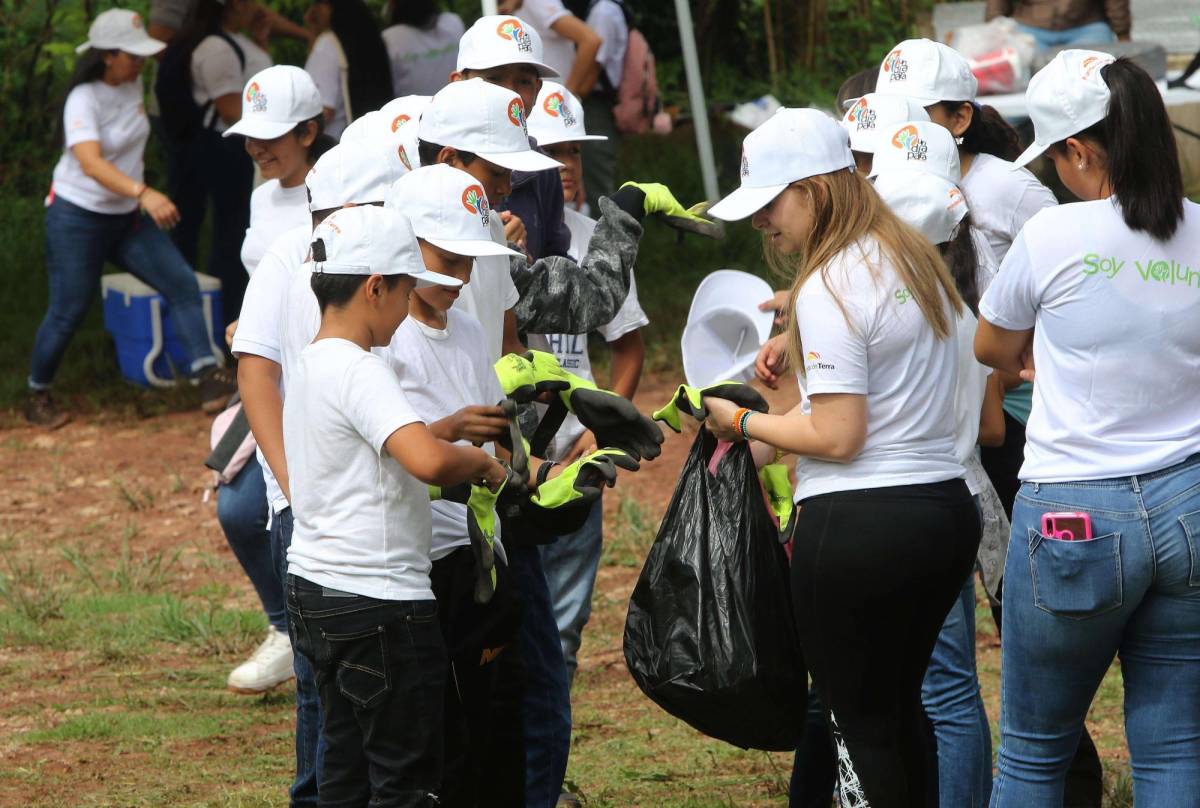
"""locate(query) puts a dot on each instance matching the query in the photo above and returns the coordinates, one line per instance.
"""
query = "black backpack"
(182, 117)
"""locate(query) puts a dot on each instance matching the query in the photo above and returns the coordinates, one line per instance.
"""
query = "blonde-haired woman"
(887, 531)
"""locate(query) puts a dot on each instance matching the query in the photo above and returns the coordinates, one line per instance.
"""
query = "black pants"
(381, 672)
(211, 167)
(874, 574)
(484, 744)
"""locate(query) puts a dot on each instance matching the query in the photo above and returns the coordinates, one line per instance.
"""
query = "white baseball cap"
(793, 144)
(872, 113)
(358, 173)
(448, 208)
(367, 240)
(502, 40)
(918, 145)
(925, 201)
(1065, 97)
(484, 119)
(121, 29)
(274, 101)
(927, 72)
(557, 117)
(725, 328)
(405, 109)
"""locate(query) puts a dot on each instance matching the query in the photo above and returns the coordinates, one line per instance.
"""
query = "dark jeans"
(485, 747)
(381, 675)
(214, 168)
(874, 574)
(310, 744)
(242, 511)
(78, 242)
(547, 699)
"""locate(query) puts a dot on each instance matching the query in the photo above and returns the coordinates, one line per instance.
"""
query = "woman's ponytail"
(988, 132)
(962, 259)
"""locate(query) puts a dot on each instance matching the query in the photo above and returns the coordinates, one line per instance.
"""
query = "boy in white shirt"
(359, 458)
(571, 563)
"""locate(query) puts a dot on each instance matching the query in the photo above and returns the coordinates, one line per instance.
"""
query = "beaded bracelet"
(737, 419)
(743, 423)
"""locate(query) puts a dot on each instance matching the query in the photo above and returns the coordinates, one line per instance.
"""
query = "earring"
(1083, 166)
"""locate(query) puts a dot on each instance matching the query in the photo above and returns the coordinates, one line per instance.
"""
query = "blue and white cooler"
(149, 351)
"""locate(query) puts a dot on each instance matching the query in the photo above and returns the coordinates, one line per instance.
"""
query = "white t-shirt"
(972, 376)
(274, 210)
(423, 59)
(1001, 200)
(490, 294)
(572, 349)
(260, 327)
(557, 50)
(1116, 342)
(217, 72)
(888, 353)
(442, 371)
(324, 65)
(607, 20)
(116, 119)
(361, 522)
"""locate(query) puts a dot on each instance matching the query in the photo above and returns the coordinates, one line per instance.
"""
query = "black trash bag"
(710, 636)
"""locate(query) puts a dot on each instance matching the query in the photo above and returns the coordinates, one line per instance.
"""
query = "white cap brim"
(1034, 151)
(544, 71)
(746, 201)
(427, 278)
(260, 130)
(476, 248)
(147, 47)
(553, 139)
(521, 161)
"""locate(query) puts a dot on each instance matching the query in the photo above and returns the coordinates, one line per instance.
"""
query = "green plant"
(211, 629)
(29, 592)
(141, 573)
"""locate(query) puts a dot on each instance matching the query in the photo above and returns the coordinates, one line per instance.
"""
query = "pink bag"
(232, 444)
(637, 97)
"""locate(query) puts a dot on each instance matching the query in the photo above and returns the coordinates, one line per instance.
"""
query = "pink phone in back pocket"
(1067, 526)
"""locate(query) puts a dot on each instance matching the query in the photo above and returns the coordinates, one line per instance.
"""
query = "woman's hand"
(159, 208)
(720, 418)
(772, 361)
(778, 303)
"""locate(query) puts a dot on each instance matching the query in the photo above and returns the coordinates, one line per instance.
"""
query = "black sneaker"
(42, 410)
(217, 386)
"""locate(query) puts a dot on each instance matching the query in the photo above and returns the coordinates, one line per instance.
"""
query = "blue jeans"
(547, 699)
(1071, 606)
(1094, 33)
(78, 242)
(242, 512)
(571, 564)
(950, 693)
(310, 744)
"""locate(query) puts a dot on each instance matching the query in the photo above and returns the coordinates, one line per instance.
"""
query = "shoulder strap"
(237, 49)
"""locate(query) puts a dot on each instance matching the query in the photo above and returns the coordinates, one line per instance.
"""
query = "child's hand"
(779, 304)
(772, 361)
(514, 228)
(495, 475)
(477, 424)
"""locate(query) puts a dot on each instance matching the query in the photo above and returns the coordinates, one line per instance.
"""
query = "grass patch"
(144, 572)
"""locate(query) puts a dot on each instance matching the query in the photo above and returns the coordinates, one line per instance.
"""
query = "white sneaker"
(268, 666)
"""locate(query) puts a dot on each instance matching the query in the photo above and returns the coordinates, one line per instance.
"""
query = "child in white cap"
(557, 123)
(359, 594)
(1103, 295)
(885, 514)
(344, 175)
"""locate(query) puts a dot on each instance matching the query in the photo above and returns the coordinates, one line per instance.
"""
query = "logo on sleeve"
(475, 201)
(256, 98)
(812, 361)
(862, 116)
(516, 116)
(512, 30)
(403, 154)
(556, 107)
(911, 142)
(399, 121)
(895, 66)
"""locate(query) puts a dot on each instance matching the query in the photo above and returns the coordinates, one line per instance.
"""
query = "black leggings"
(874, 573)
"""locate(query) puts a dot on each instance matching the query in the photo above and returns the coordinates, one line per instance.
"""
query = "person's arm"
(836, 429)
(998, 8)
(282, 26)
(585, 70)
(1120, 20)
(229, 107)
(436, 462)
(475, 424)
(161, 209)
(628, 357)
(512, 335)
(991, 419)
(1002, 349)
(258, 384)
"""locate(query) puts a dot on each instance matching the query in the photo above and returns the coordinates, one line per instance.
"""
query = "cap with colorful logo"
(354, 173)
(484, 119)
(792, 145)
(274, 101)
(502, 40)
(927, 72)
(449, 209)
(405, 109)
(925, 201)
(369, 240)
(920, 146)
(121, 29)
(557, 117)
(1065, 97)
(873, 113)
